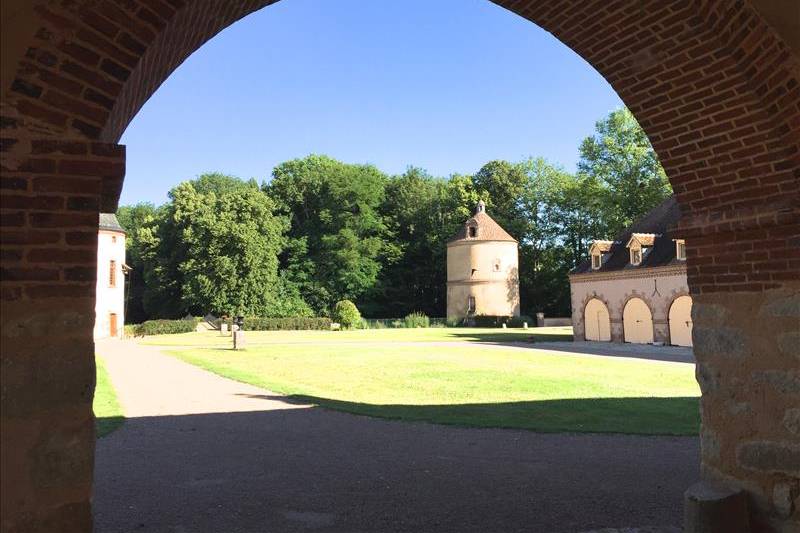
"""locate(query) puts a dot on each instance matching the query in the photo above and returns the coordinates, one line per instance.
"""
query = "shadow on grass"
(636, 416)
(108, 424)
(511, 338)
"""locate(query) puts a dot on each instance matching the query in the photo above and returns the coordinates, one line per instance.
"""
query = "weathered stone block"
(706, 314)
(791, 420)
(722, 341)
(788, 306)
(789, 344)
(784, 496)
(783, 381)
(707, 377)
(766, 456)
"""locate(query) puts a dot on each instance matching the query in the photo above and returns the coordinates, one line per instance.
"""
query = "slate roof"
(109, 222)
(488, 229)
(662, 252)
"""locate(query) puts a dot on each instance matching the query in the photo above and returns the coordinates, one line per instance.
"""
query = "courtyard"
(467, 430)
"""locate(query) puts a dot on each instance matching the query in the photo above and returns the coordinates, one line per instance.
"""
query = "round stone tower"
(482, 270)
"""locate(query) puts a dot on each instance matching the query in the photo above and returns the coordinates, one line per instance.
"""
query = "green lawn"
(215, 339)
(107, 410)
(405, 374)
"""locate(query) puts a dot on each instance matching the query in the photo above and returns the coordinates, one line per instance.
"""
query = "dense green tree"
(216, 250)
(322, 231)
(339, 241)
(619, 155)
(422, 212)
(138, 221)
(502, 185)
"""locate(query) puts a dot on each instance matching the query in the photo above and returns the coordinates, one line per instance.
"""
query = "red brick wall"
(713, 85)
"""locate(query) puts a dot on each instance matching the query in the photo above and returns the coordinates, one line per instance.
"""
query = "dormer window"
(473, 232)
(680, 249)
(596, 251)
(639, 244)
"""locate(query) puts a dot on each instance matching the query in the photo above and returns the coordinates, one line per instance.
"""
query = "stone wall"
(470, 272)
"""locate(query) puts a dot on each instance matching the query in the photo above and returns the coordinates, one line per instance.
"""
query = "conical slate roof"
(486, 228)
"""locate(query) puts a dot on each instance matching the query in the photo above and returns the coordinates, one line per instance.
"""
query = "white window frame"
(680, 245)
(597, 261)
(633, 260)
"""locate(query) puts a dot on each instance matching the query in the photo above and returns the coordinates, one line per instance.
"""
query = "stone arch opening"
(680, 321)
(715, 85)
(637, 322)
(596, 321)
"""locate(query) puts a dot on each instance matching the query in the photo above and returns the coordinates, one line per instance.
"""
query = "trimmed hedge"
(492, 321)
(164, 327)
(272, 324)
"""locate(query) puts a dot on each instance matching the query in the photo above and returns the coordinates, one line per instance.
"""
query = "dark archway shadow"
(679, 416)
(313, 469)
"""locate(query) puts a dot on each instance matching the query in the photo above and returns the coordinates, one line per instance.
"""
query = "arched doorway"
(680, 321)
(596, 320)
(711, 82)
(637, 322)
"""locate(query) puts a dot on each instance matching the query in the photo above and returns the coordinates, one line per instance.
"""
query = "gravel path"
(200, 453)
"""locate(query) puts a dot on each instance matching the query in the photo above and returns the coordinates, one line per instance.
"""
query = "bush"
(293, 323)
(346, 313)
(417, 320)
(164, 327)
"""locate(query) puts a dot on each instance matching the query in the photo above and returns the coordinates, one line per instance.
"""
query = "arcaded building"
(634, 288)
(109, 308)
(482, 270)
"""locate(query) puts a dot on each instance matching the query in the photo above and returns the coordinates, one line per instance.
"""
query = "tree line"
(321, 230)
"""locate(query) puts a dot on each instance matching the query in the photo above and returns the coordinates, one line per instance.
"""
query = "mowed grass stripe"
(472, 385)
(107, 409)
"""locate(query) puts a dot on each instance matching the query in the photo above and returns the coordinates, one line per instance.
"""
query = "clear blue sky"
(446, 85)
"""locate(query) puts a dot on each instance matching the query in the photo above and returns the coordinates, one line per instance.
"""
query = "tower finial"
(481, 207)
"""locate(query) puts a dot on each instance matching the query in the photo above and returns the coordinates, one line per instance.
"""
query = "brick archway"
(713, 83)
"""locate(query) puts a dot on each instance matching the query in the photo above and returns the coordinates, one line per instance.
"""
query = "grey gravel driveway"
(205, 454)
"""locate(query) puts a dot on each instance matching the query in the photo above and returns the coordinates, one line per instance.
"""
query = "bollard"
(238, 340)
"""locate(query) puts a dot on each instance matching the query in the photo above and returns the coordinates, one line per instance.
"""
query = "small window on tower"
(497, 265)
(114, 239)
(471, 304)
(473, 231)
(112, 273)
